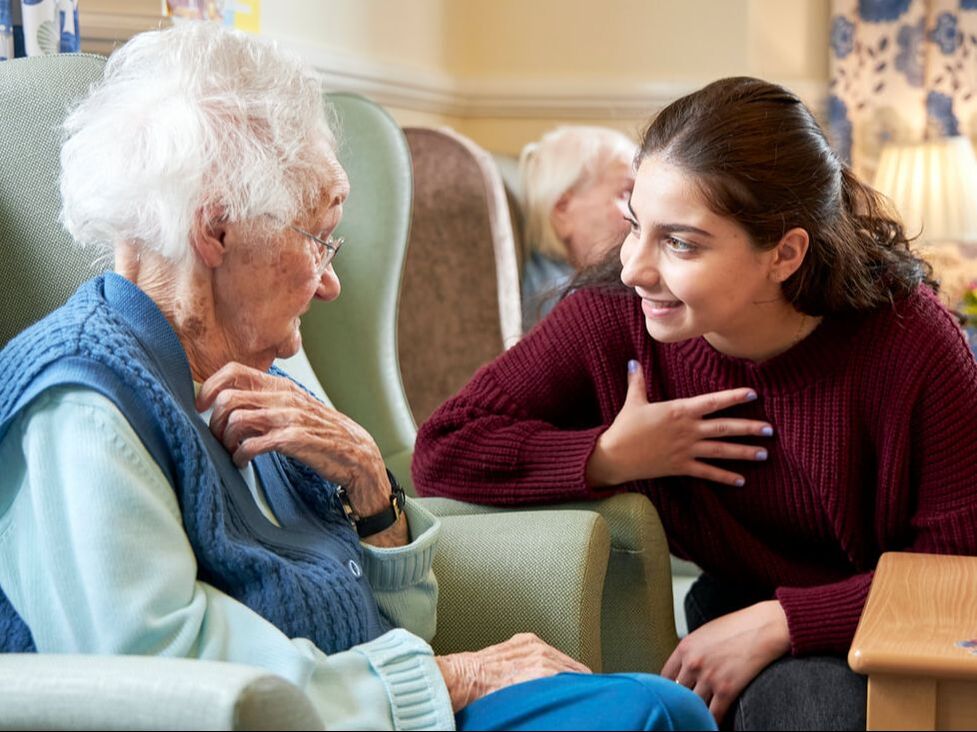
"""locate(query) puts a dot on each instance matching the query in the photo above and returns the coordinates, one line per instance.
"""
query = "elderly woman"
(166, 492)
(576, 180)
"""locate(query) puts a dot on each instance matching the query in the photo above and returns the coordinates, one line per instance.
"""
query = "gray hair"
(564, 158)
(194, 118)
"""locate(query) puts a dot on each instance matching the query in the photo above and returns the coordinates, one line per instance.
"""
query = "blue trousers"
(589, 702)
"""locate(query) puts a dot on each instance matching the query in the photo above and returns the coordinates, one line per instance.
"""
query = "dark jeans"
(815, 693)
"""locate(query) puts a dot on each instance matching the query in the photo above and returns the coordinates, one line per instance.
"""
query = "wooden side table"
(917, 643)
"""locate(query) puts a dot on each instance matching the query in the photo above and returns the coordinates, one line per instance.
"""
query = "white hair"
(568, 157)
(194, 118)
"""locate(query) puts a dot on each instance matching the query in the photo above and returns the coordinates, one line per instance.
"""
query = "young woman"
(768, 363)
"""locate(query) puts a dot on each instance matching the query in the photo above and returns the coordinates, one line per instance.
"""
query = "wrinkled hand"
(255, 413)
(524, 657)
(652, 440)
(718, 660)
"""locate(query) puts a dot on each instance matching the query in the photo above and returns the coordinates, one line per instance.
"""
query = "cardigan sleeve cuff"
(823, 619)
(390, 569)
(418, 696)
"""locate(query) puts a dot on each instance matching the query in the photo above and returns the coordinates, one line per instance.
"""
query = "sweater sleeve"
(402, 579)
(937, 452)
(129, 586)
(522, 430)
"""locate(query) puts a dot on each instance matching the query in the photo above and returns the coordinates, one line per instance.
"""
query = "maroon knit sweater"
(874, 446)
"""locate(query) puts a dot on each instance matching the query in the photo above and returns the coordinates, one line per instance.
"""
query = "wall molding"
(424, 90)
(436, 92)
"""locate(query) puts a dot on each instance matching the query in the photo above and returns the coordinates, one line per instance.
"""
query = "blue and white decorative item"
(38, 27)
(903, 111)
(901, 71)
(6, 31)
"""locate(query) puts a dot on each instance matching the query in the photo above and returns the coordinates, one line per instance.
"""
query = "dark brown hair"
(760, 158)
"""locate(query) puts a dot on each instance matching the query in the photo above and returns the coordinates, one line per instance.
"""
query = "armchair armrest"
(538, 571)
(46, 691)
(636, 615)
(913, 641)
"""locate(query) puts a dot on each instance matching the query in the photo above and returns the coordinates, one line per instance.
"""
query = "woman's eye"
(679, 246)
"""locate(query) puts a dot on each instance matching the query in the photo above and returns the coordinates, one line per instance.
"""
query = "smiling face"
(268, 278)
(698, 273)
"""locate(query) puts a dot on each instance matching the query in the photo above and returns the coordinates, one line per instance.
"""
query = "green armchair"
(479, 557)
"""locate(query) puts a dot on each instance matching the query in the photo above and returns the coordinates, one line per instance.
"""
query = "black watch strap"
(370, 525)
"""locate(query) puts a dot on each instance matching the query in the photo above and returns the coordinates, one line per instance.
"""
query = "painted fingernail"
(632, 366)
(767, 432)
(750, 396)
(761, 454)
(740, 482)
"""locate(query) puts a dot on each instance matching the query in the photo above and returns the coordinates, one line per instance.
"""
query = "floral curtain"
(906, 71)
(36, 27)
(900, 69)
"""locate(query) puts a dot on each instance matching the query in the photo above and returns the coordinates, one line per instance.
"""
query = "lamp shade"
(933, 186)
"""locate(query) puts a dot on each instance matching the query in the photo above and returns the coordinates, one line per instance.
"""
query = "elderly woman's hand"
(255, 412)
(524, 657)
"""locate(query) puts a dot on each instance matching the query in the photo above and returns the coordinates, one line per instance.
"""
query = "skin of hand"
(255, 413)
(718, 660)
(656, 439)
(524, 657)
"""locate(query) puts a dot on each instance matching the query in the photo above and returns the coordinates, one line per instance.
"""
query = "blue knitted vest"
(304, 577)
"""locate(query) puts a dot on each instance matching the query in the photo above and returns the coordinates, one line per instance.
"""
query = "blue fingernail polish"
(761, 454)
(740, 482)
(767, 432)
(751, 396)
(632, 366)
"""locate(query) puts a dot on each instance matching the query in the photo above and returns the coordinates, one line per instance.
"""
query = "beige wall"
(412, 33)
(638, 40)
(561, 51)
(618, 40)
(504, 71)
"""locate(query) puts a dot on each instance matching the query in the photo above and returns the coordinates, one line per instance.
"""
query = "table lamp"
(933, 185)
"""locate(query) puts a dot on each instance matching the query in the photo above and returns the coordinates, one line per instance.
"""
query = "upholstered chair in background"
(459, 304)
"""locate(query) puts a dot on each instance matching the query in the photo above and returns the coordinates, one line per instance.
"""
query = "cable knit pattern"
(874, 446)
(305, 589)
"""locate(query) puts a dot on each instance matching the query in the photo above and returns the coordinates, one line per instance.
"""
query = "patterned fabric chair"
(459, 304)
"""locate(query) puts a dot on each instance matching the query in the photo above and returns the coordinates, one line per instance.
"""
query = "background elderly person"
(576, 181)
(133, 524)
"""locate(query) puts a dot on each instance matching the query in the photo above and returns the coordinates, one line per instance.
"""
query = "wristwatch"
(370, 525)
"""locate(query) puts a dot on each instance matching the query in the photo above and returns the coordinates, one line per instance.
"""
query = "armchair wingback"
(352, 343)
(460, 303)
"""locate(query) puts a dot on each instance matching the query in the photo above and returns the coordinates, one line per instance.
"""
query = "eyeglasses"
(322, 251)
